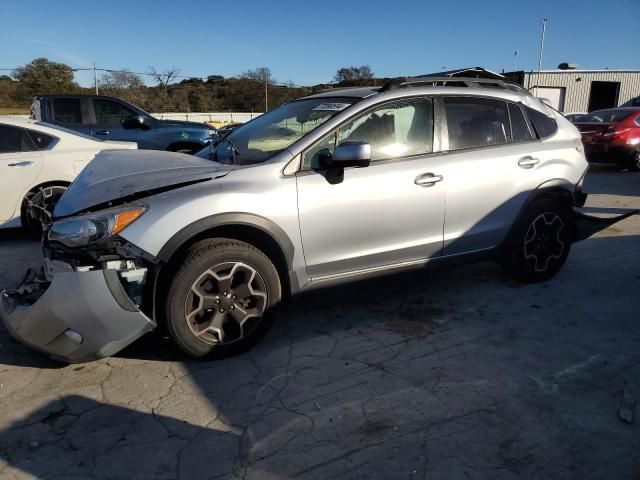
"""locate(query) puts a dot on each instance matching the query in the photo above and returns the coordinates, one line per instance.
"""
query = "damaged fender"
(80, 316)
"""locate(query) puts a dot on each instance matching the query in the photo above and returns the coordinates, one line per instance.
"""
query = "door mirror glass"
(350, 154)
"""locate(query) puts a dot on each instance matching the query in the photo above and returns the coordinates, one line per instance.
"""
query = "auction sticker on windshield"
(331, 107)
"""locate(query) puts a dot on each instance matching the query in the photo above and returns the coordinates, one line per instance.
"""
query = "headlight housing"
(95, 227)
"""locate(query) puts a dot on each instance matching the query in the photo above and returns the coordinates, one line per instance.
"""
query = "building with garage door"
(571, 90)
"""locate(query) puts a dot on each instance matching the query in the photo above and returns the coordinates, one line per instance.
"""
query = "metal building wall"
(577, 92)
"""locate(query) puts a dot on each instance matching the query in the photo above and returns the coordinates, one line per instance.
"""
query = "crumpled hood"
(120, 174)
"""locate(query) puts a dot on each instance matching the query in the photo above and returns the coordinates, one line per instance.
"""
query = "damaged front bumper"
(79, 316)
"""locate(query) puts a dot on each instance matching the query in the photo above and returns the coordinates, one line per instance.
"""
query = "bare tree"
(164, 78)
(125, 84)
(354, 75)
(262, 74)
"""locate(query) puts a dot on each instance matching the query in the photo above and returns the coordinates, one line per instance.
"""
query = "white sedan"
(38, 161)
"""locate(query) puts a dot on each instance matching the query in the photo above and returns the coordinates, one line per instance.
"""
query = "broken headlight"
(94, 227)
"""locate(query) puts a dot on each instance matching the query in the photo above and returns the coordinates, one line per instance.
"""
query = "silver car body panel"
(77, 318)
(116, 176)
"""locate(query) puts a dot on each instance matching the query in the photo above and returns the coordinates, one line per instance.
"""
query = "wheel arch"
(35, 188)
(258, 231)
(557, 188)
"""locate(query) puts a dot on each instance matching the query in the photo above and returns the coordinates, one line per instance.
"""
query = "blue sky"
(306, 42)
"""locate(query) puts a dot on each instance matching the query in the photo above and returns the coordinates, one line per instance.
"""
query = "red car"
(612, 136)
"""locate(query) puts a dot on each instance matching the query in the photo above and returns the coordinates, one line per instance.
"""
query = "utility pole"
(544, 28)
(266, 95)
(95, 77)
(515, 61)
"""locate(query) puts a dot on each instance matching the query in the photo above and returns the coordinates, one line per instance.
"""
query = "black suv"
(114, 119)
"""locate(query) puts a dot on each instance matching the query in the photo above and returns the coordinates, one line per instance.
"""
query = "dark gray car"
(112, 118)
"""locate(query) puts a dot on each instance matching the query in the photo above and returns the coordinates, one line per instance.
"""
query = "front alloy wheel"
(225, 303)
(220, 298)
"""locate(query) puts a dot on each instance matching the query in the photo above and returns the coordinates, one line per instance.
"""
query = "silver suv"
(330, 188)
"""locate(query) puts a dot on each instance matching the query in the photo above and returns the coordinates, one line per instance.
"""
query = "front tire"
(220, 299)
(540, 242)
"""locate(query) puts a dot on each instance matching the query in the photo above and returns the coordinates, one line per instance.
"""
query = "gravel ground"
(444, 374)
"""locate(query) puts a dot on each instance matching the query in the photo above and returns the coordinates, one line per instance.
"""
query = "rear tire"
(220, 300)
(540, 241)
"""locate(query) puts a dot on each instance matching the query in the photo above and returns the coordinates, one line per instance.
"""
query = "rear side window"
(519, 129)
(14, 140)
(543, 125)
(111, 113)
(41, 140)
(476, 122)
(67, 110)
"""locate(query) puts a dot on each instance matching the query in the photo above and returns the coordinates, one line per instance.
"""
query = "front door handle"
(21, 164)
(102, 132)
(528, 162)
(428, 179)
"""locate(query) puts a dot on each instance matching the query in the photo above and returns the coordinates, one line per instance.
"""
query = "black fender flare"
(229, 219)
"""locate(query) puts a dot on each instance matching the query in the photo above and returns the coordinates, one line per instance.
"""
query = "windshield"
(275, 131)
(604, 116)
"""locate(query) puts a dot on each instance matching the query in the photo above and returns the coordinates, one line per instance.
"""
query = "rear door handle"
(103, 132)
(21, 164)
(428, 179)
(528, 162)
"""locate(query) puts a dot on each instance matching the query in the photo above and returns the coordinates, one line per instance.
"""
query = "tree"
(124, 84)
(42, 76)
(351, 76)
(261, 74)
(164, 78)
(7, 91)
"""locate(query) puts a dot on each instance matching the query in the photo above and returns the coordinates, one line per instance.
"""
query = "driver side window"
(110, 113)
(399, 129)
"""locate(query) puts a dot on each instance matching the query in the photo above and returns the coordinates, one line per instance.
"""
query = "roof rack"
(451, 82)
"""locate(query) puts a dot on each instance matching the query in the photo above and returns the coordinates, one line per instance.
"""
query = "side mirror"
(136, 121)
(351, 154)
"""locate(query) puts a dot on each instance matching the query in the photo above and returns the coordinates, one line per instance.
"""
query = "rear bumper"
(78, 317)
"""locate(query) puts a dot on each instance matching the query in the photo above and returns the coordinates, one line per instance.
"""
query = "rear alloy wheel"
(220, 298)
(540, 242)
(36, 205)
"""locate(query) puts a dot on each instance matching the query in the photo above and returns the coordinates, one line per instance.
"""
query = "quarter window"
(110, 113)
(67, 110)
(476, 122)
(543, 125)
(14, 140)
(519, 130)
